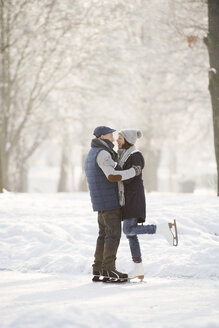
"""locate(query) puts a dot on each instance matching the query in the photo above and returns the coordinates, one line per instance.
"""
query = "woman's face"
(120, 141)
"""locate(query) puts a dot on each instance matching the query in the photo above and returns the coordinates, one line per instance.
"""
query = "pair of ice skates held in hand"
(167, 230)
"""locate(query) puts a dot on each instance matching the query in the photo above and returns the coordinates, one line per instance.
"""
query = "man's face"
(120, 140)
(108, 136)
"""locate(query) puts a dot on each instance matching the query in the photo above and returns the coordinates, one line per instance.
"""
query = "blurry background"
(68, 66)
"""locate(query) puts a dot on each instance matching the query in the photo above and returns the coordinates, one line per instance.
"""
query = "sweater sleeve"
(107, 165)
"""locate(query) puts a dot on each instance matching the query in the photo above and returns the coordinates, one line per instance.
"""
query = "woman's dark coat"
(135, 204)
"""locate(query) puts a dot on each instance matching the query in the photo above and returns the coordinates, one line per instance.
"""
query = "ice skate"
(137, 272)
(169, 231)
(114, 276)
(96, 276)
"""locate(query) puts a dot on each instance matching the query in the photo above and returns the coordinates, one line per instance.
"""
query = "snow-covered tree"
(40, 44)
(67, 67)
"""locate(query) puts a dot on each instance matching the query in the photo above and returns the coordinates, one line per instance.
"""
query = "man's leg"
(98, 256)
(112, 221)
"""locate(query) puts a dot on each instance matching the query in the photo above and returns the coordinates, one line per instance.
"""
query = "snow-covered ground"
(47, 243)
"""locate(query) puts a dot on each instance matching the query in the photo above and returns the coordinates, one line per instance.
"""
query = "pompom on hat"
(131, 135)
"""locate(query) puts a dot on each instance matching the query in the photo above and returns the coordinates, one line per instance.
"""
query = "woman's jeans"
(131, 229)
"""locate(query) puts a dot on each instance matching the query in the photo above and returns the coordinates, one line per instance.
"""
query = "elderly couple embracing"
(117, 194)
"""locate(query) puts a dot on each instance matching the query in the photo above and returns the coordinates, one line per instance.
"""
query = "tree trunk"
(23, 179)
(150, 172)
(4, 183)
(212, 42)
(5, 89)
(83, 181)
(65, 180)
(1, 176)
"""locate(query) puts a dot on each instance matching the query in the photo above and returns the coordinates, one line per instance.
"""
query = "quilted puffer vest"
(104, 194)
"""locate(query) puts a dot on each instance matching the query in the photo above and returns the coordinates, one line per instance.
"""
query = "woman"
(132, 200)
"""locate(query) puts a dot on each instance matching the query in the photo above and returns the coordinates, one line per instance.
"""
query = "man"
(102, 180)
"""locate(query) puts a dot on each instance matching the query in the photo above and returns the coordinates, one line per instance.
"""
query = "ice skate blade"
(115, 281)
(97, 279)
(140, 277)
(175, 233)
(100, 279)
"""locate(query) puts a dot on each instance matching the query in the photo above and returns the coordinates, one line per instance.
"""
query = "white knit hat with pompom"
(131, 135)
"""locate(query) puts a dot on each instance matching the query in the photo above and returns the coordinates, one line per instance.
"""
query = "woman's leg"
(138, 270)
(167, 229)
(131, 227)
(133, 240)
(135, 248)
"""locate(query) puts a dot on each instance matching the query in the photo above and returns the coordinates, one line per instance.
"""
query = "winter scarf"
(105, 144)
(123, 155)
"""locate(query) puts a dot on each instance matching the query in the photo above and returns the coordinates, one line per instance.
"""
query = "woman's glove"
(137, 169)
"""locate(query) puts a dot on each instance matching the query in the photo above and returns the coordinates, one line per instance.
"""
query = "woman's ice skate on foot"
(169, 231)
(137, 272)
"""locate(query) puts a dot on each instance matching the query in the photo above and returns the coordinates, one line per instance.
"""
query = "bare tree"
(194, 33)
(212, 42)
(39, 48)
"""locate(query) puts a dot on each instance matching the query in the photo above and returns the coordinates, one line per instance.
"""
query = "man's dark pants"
(108, 240)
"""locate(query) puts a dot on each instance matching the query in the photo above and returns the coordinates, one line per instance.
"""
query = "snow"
(212, 69)
(47, 243)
